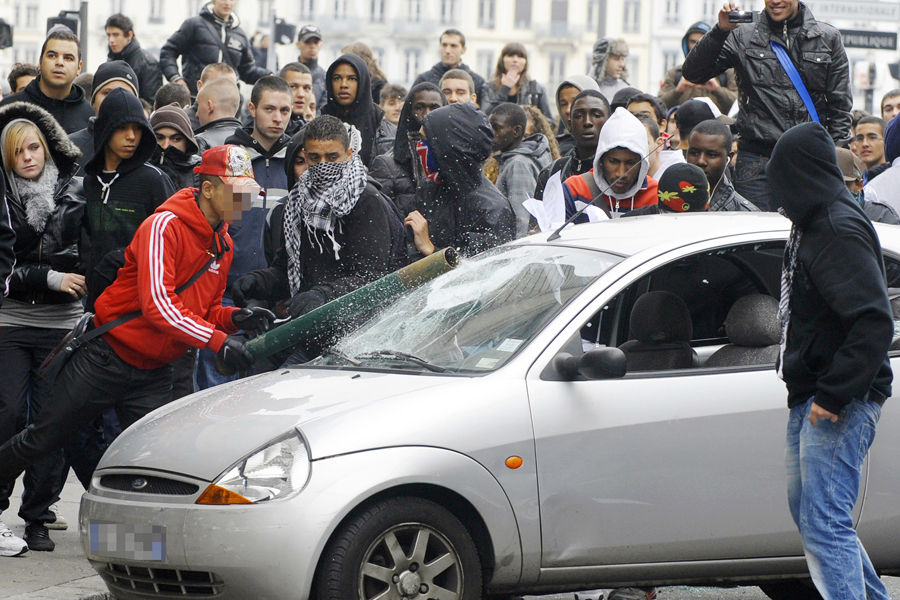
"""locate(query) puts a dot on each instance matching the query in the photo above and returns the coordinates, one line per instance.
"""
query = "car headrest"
(753, 321)
(660, 318)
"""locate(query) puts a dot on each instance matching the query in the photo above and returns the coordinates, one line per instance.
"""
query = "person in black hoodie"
(457, 205)
(350, 100)
(120, 188)
(836, 332)
(337, 229)
(46, 206)
(453, 46)
(123, 45)
(399, 171)
(54, 90)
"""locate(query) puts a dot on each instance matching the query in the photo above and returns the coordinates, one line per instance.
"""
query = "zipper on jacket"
(787, 40)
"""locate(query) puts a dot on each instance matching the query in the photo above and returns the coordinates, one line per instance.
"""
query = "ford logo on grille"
(139, 483)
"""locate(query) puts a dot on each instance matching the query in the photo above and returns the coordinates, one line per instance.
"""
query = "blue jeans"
(823, 471)
(750, 180)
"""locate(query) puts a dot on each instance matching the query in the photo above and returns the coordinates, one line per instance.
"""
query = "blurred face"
(890, 108)
(317, 151)
(506, 135)
(169, 136)
(103, 92)
(781, 10)
(30, 157)
(870, 144)
(710, 154)
(23, 81)
(59, 64)
(616, 164)
(452, 50)
(457, 90)
(301, 90)
(392, 107)
(271, 117)
(309, 50)
(424, 102)
(230, 197)
(566, 97)
(344, 84)
(514, 62)
(615, 66)
(223, 8)
(124, 141)
(117, 39)
(587, 118)
(693, 39)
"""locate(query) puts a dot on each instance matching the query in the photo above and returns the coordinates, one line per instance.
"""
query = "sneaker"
(38, 538)
(633, 594)
(59, 522)
(10, 543)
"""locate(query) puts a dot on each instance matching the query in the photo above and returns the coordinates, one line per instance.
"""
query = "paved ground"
(64, 574)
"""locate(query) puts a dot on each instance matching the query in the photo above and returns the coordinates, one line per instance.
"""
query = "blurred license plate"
(135, 542)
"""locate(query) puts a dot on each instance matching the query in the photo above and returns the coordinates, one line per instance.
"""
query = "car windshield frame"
(487, 295)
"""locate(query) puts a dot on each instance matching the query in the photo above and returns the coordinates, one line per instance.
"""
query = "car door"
(675, 465)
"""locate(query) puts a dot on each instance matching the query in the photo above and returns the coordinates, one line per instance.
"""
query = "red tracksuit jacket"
(168, 248)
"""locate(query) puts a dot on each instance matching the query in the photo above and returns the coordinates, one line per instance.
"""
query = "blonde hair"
(14, 140)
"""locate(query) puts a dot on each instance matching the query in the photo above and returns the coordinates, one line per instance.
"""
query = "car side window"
(683, 307)
(892, 268)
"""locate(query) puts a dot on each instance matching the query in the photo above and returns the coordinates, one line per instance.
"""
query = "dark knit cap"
(683, 188)
(174, 116)
(114, 70)
(690, 114)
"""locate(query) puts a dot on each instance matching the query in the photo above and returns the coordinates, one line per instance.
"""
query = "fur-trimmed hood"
(63, 152)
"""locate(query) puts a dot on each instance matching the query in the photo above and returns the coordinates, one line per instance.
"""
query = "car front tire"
(791, 589)
(398, 548)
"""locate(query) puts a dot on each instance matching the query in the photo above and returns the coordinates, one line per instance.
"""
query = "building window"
(414, 11)
(672, 12)
(448, 12)
(557, 67)
(486, 12)
(594, 15)
(115, 6)
(377, 14)
(670, 59)
(31, 12)
(340, 9)
(307, 9)
(631, 64)
(484, 64)
(711, 10)
(265, 13)
(193, 6)
(157, 10)
(412, 64)
(632, 22)
(559, 16)
(523, 14)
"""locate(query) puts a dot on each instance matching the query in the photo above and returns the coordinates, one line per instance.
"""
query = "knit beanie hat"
(683, 188)
(174, 116)
(114, 70)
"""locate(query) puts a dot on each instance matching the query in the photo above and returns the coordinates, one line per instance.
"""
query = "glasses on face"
(872, 137)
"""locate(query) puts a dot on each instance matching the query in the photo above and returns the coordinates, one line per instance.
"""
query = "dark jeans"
(93, 380)
(750, 180)
(24, 395)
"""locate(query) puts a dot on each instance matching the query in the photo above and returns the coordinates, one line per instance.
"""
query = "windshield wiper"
(394, 354)
(342, 355)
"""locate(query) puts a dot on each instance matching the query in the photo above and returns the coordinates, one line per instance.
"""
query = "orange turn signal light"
(220, 496)
(514, 462)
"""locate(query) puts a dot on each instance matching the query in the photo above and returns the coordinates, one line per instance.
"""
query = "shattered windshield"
(477, 316)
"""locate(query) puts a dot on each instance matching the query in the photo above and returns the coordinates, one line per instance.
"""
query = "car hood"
(204, 434)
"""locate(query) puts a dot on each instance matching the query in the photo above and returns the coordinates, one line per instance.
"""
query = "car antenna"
(579, 212)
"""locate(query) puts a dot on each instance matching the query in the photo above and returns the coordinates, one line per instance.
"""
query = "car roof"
(632, 235)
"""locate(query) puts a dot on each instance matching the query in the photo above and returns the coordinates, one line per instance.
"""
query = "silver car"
(522, 424)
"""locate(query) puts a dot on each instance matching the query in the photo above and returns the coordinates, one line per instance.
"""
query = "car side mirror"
(600, 363)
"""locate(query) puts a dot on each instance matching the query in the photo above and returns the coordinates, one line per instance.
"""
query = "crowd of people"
(183, 216)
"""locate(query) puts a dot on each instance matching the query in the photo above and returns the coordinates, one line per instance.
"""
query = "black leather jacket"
(769, 103)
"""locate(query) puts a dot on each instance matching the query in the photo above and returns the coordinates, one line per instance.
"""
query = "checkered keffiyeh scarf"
(325, 193)
(788, 268)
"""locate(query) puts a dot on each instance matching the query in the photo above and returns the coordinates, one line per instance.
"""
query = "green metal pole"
(329, 316)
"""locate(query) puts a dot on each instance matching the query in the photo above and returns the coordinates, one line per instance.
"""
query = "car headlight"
(277, 470)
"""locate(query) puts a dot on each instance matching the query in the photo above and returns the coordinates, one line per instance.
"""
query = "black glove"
(233, 357)
(306, 301)
(255, 320)
(246, 288)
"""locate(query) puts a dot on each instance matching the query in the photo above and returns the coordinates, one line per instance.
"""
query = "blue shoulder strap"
(788, 65)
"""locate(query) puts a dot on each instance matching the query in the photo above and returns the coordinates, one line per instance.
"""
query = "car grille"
(154, 485)
(161, 583)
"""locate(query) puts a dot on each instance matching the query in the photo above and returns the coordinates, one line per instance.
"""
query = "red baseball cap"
(230, 162)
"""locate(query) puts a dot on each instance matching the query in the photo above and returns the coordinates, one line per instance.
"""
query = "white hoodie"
(622, 130)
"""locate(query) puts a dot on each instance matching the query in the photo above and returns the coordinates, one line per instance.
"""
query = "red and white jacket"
(168, 248)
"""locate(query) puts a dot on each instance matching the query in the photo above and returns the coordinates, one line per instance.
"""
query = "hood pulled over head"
(408, 124)
(892, 141)
(120, 108)
(803, 172)
(622, 130)
(698, 27)
(461, 137)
